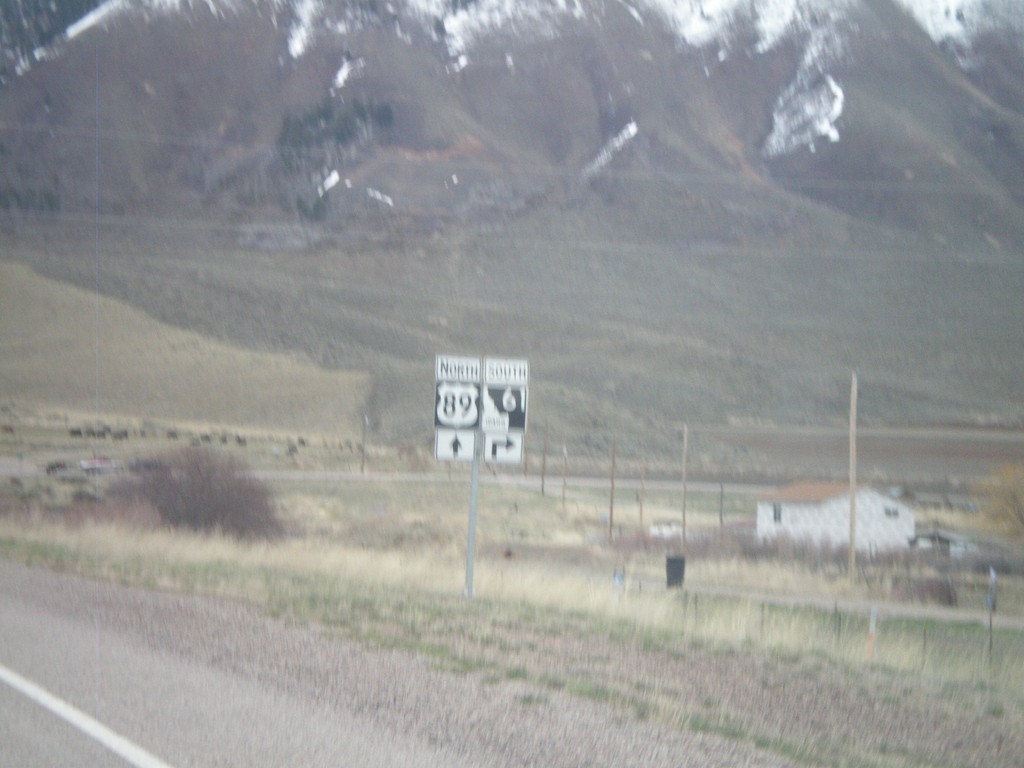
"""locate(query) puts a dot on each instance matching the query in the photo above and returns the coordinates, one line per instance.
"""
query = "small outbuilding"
(819, 514)
(944, 542)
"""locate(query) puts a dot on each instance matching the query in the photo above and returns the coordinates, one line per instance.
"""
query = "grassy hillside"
(63, 347)
(627, 339)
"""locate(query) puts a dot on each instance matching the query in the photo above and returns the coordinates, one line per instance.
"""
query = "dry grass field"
(67, 349)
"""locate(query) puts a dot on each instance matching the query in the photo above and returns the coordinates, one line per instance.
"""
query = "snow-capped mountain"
(458, 107)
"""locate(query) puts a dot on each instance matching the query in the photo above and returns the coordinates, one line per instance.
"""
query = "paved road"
(553, 484)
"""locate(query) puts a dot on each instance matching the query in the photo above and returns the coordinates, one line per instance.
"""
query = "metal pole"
(474, 486)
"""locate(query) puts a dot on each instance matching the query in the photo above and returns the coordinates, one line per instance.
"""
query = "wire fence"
(972, 649)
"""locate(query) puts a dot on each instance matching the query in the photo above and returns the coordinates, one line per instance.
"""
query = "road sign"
(503, 447)
(463, 411)
(501, 370)
(457, 405)
(454, 444)
(504, 409)
(504, 395)
(453, 368)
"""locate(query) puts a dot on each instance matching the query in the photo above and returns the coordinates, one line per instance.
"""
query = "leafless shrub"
(203, 490)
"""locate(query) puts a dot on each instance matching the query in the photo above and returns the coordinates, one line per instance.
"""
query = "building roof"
(809, 492)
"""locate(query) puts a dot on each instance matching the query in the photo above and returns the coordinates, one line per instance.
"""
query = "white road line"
(91, 727)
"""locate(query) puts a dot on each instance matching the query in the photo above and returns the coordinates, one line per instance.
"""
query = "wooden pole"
(686, 446)
(544, 460)
(643, 491)
(853, 480)
(362, 446)
(611, 495)
(565, 472)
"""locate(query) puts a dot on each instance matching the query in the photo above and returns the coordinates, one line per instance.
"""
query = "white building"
(819, 514)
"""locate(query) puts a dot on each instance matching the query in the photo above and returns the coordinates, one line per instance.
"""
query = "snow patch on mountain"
(610, 149)
(697, 25)
(349, 68)
(307, 13)
(810, 106)
(468, 23)
(96, 16)
(962, 21)
(111, 8)
(804, 113)
(329, 183)
(380, 197)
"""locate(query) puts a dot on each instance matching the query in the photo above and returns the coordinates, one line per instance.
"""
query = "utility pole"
(544, 460)
(686, 446)
(853, 480)
(643, 492)
(362, 459)
(611, 496)
(565, 472)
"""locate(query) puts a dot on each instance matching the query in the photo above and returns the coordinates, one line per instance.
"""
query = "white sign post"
(470, 419)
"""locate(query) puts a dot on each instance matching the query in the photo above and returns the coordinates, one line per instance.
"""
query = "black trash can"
(675, 569)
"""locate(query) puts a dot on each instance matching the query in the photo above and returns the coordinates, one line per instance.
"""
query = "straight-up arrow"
(456, 445)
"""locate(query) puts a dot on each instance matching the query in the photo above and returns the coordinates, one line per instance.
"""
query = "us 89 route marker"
(456, 407)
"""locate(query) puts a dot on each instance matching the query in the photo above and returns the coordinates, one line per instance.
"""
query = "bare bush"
(203, 490)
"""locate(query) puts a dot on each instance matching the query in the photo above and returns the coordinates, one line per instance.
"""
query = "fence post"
(990, 638)
(837, 621)
(872, 625)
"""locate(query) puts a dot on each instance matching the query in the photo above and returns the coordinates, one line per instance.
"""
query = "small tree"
(202, 490)
(1004, 491)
